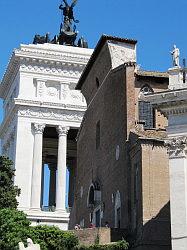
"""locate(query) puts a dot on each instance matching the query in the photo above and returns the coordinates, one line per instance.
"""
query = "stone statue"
(68, 15)
(175, 56)
(30, 244)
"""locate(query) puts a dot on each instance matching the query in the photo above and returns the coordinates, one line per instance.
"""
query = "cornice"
(43, 104)
(168, 102)
(55, 52)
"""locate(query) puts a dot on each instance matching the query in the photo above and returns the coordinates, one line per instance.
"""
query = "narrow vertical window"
(97, 82)
(98, 134)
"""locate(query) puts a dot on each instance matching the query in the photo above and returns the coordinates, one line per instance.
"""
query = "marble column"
(37, 167)
(61, 169)
(177, 149)
(52, 185)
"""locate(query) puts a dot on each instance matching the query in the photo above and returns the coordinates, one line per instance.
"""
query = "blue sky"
(156, 24)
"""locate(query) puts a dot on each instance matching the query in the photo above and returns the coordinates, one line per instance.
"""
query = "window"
(136, 196)
(91, 196)
(97, 82)
(97, 134)
(118, 210)
(146, 111)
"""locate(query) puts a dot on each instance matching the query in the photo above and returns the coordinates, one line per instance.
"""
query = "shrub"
(121, 245)
(52, 238)
(13, 228)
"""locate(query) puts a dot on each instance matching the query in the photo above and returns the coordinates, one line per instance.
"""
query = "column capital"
(176, 146)
(62, 130)
(38, 128)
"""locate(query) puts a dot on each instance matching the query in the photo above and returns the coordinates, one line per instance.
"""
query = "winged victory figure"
(68, 14)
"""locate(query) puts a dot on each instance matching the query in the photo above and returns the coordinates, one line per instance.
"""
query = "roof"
(97, 50)
(145, 73)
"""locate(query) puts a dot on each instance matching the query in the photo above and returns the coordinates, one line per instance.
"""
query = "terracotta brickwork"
(130, 162)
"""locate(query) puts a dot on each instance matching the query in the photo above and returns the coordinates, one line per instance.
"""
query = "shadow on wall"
(156, 233)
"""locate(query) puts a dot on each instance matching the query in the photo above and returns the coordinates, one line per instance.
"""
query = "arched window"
(118, 210)
(94, 195)
(146, 111)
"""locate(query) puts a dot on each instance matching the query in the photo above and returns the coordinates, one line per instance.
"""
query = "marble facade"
(38, 90)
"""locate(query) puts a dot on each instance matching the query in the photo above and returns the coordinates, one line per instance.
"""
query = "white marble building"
(173, 104)
(42, 113)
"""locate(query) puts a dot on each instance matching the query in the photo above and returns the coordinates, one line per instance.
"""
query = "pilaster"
(177, 149)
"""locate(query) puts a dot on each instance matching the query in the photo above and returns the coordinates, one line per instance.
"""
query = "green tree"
(8, 192)
(14, 228)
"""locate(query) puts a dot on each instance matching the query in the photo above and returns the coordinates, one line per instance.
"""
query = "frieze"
(67, 71)
(176, 146)
(52, 114)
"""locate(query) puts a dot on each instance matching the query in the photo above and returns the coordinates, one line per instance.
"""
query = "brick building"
(122, 166)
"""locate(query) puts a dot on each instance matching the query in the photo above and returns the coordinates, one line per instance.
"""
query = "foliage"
(13, 228)
(8, 191)
(52, 238)
(121, 245)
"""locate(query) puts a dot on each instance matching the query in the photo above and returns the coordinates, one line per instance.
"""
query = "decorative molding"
(52, 114)
(38, 128)
(62, 131)
(65, 69)
(50, 104)
(177, 146)
(46, 52)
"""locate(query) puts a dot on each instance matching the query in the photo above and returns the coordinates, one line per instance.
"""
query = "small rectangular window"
(97, 134)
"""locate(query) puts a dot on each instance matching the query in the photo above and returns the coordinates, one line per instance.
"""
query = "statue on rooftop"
(175, 56)
(68, 33)
(68, 15)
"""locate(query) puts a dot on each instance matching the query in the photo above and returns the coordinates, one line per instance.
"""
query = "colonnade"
(57, 184)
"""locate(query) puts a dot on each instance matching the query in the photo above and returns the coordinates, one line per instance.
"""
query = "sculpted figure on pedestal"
(175, 56)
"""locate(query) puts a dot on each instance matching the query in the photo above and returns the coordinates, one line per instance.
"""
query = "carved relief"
(52, 90)
(40, 88)
(76, 95)
(67, 115)
(176, 146)
(75, 72)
